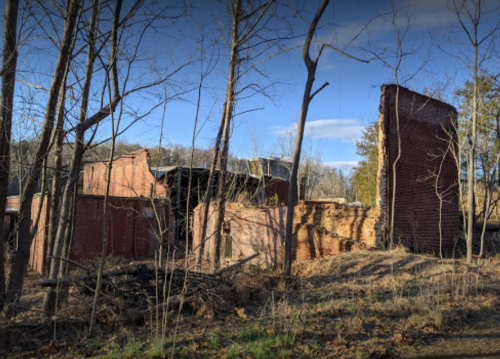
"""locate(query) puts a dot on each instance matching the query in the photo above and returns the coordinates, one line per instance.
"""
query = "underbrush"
(356, 305)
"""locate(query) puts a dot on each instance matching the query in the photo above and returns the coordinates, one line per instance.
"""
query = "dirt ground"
(366, 304)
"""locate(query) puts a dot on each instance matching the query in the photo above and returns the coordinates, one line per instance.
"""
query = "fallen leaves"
(51, 349)
(240, 312)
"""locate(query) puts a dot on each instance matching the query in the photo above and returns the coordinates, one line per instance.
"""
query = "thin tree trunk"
(472, 173)
(441, 196)
(67, 207)
(306, 100)
(43, 189)
(237, 41)
(6, 106)
(394, 168)
(161, 236)
(210, 190)
(231, 83)
(460, 187)
(63, 220)
(220, 202)
(485, 218)
(489, 186)
(18, 270)
(114, 76)
(68, 241)
(105, 234)
(56, 190)
(190, 179)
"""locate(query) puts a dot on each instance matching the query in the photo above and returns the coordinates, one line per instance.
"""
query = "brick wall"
(130, 177)
(251, 229)
(424, 123)
(133, 229)
(321, 229)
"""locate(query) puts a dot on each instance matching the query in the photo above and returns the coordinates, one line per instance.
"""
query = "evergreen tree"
(364, 179)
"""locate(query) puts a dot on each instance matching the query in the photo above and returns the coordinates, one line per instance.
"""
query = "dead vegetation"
(367, 304)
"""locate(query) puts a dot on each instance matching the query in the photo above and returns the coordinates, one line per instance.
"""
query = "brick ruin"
(425, 126)
(247, 230)
(133, 228)
(130, 177)
(136, 208)
(320, 229)
(323, 229)
(326, 228)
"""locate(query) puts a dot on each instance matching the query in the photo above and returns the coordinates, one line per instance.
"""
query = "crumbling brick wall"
(323, 229)
(250, 229)
(133, 228)
(130, 177)
(425, 127)
(320, 229)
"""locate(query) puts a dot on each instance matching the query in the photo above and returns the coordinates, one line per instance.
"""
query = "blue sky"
(336, 115)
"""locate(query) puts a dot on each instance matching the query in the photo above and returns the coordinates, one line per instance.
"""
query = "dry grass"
(353, 305)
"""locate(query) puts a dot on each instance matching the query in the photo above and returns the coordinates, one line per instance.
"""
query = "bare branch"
(318, 90)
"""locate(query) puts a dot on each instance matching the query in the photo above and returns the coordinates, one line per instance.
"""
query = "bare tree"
(392, 56)
(117, 41)
(204, 72)
(228, 113)
(21, 258)
(248, 39)
(311, 66)
(444, 194)
(114, 79)
(478, 37)
(57, 243)
(6, 105)
(210, 190)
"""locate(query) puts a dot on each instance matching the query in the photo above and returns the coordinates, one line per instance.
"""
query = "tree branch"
(98, 117)
(318, 90)
(346, 54)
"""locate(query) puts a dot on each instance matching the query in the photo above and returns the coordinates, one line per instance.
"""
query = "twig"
(87, 269)
(235, 265)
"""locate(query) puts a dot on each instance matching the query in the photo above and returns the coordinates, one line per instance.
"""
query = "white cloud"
(333, 129)
(424, 15)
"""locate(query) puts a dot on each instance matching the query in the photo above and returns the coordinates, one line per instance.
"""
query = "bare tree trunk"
(68, 241)
(220, 202)
(458, 162)
(64, 217)
(161, 236)
(441, 193)
(105, 235)
(6, 105)
(114, 76)
(190, 179)
(472, 154)
(306, 100)
(21, 258)
(394, 166)
(485, 217)
(231, 83)
(210, 190)
(56, 190)
(473, 12)
(489, 186)
(43, 189)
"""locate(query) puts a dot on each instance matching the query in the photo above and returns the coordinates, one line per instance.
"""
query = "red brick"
(424, 126)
